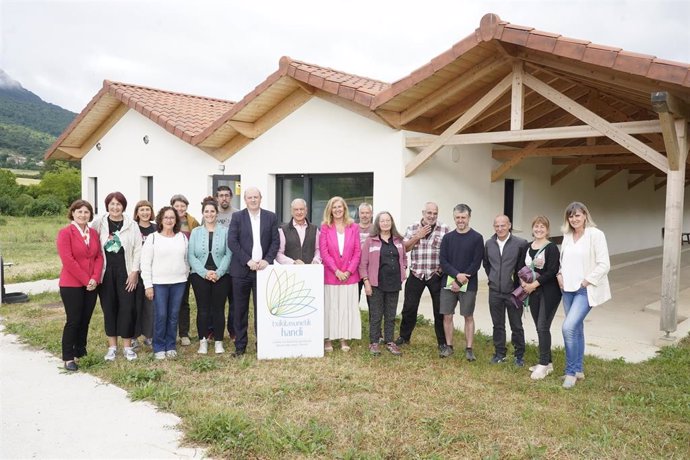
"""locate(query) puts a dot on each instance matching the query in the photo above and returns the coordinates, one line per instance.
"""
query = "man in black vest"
(299, 239)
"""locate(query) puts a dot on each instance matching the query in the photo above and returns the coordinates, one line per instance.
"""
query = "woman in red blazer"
(82, 262)
(340, 253)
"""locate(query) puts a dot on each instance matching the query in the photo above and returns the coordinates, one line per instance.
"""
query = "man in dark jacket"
(502, 254)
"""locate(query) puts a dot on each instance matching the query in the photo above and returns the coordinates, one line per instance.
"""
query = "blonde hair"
(571, 209)
(328, 212)
(544, 221)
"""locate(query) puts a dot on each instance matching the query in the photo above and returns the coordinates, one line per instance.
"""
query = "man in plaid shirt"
(423, 239)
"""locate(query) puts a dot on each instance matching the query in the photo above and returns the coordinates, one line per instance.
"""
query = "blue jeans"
(166, 310)
(576, 309)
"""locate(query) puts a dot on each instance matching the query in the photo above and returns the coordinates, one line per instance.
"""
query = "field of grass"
(355, 406)
(29, 243)
(25, 172)
(27, 181)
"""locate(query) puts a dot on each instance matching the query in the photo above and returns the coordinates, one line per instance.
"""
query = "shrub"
(23, 202)
(45, 206)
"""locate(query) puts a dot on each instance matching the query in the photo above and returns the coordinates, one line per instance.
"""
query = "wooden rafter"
(608, 149)
(669, 107)
(601, 160)
(600, 124)
(562, 173)
(459, 124)
(449, 89)
(600, 180)
(641, 178)
(500, 171)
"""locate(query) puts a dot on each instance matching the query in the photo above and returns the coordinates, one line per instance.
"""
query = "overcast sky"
(63, 50)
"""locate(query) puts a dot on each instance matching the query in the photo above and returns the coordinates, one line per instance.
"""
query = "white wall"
(176, 166)
(318, 138)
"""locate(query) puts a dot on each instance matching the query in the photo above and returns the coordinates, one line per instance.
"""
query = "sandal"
(328, 346)
(344, 346)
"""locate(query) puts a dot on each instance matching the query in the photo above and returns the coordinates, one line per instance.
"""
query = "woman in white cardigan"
(583, 278)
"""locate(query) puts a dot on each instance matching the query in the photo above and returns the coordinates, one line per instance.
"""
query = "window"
(92, 193)
(147, 188)
(317, 189)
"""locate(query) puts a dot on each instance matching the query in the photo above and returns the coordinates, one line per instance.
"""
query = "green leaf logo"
(287, 297)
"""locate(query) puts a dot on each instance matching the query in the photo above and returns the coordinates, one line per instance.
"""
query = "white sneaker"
(569, 381)
(159, 355)
(129, 354)
(110, 356)
(184, 341)
(171, 353)
(219, 347)
(550, 366)
(578, 375)
(203, 347)
(540, 371)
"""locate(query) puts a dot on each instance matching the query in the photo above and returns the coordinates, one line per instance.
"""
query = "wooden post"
(673, 222)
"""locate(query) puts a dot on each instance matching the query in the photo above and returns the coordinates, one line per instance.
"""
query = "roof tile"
(598, 56)
(632, 63)
(573, 49)
(667, 71)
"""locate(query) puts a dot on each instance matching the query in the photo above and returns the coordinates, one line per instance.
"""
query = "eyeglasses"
(168, 218)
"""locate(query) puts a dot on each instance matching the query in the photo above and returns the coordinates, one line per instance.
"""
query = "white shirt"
(257, 251)
(501, 244)
(572, 264)
(341, 242)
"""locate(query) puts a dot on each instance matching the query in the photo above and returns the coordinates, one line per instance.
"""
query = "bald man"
(253, 240)
(502, 255)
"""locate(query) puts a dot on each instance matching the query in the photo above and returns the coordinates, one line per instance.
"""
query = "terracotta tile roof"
(183, 115)
(358, 89)
(493, 28)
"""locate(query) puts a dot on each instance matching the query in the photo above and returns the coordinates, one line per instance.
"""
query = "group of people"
(142, 271)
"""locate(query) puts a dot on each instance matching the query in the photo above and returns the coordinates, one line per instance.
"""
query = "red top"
(80, 262)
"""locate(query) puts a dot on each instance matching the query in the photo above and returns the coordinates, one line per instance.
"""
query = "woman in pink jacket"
(340, 253)
(382, 268)
(82, 262)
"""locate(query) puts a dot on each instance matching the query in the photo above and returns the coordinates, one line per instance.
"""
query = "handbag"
(519, 296)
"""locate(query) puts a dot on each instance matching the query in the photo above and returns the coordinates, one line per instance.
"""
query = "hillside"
(28, 124)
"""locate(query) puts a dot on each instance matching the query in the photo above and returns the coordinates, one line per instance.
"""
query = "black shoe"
(238, 353)
(400, 341)
(446, 351)
(71, 366)
(519, 361)
(497, 359)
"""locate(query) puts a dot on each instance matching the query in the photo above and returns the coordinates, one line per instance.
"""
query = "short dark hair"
(462, 207)
(224, 188)
(79, 204)
(119, 197)
(159, 219)
(209, 201)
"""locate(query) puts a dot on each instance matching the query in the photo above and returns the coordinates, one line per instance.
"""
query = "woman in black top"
(143, 215)
(544, 294)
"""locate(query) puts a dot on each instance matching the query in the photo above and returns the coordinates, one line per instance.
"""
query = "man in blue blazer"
(254, 241)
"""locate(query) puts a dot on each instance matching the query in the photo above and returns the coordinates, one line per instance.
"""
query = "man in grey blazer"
(253, 240)
(502, 254)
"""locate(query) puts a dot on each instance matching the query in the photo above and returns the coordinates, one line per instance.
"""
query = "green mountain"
(28, 124)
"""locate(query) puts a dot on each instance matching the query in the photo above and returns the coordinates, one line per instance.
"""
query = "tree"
(8, 184)
(64, 183)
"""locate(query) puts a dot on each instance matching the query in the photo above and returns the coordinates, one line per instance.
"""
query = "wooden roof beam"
(600, 124)
(449, 89)
(464, 120)
(600, 160)
(600, 180)
(517, 98)
(567, 132)
(562, 173)
(669, 107)
(500, 171)
(641, 178)
(608, 149)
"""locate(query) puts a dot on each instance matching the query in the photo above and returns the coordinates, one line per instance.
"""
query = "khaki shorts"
(450, 299)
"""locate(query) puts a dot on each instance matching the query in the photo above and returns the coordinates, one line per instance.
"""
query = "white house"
(510, 119)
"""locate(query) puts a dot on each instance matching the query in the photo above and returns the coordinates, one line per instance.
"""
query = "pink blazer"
(331, 258)
(80, 262)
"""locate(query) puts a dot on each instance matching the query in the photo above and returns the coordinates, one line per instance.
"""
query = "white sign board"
(289, 311)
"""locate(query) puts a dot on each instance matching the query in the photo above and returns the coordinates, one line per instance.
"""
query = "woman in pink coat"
(82, 262)
(340, 253)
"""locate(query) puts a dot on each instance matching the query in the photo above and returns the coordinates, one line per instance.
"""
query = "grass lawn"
(29, 242)
(27, 181)
(353, 406)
